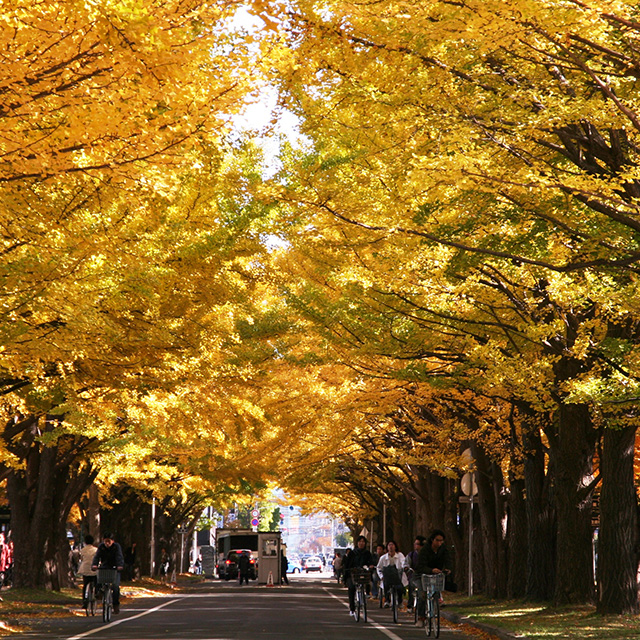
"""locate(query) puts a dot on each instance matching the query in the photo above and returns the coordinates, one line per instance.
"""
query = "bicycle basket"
(433, 582)
(360, 575)
(391, 576)
(107, 576)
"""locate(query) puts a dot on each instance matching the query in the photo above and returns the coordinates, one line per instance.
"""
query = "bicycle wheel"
(364, 604)
(415, 605)
(107, 603)
(381, 594)
(394, 604)
(429, 614)
(436, 615)
(90, 599)
(358, 603)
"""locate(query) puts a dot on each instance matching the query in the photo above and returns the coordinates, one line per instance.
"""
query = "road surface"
(312, 607)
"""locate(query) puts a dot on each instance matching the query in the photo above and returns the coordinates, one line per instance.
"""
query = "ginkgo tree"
(506, 133)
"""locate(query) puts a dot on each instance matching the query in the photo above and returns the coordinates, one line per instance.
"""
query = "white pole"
(195, 547)
(182, 551)
(153, 527)
(384, 524)
(471, 544)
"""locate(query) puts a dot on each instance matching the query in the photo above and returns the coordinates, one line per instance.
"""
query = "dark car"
(228, 569)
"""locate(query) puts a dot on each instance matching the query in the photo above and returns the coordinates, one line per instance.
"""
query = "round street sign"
(255, 513)
(468, 485)
(254, 522)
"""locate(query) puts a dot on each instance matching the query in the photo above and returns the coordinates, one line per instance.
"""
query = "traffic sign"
(255, 513)
(254, 522)
(468, 485)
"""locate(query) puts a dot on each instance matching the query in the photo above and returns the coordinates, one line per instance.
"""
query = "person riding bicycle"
(360, 557)
(433, 558)
(109, 556)
(410, 564)
(86, 560)
(390, 570)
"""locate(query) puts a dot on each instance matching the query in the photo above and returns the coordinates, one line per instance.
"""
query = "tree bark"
(618, 534)
(573, 468)
(517, 540)
(541, 521)
(41, 496)
(491, 537)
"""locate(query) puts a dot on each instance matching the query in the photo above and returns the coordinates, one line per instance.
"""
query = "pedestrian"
(244, 563)
(5, 559)
(165, 565)
(109, 556)
(360, 557)
(284, 565)
(86, 555)
(337, 566)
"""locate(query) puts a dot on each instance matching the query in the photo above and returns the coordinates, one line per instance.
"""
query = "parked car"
(293, 566)
(313, 564)
(228, 570)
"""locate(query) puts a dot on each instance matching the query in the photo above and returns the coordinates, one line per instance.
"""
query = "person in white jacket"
(88, 574)
(390, 569)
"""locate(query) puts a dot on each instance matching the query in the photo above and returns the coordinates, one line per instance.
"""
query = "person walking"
(244, 563)
(284, 565)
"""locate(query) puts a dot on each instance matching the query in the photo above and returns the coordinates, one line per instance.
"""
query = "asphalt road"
(312, 608)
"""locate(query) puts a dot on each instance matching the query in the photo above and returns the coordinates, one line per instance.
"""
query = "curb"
(456, 618)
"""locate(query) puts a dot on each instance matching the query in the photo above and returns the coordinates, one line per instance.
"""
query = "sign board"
(254, 522)
(468, 485)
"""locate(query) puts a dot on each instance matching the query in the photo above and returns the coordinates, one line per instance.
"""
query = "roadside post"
(470, 489)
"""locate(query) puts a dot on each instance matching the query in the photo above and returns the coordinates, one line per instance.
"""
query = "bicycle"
(414, 603)
(432, 585)
(361, 578)
(89, 597)
(394, 596)
(107, 578)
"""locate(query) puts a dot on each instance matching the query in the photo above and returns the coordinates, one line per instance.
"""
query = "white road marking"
(117, 622)
(379, 627)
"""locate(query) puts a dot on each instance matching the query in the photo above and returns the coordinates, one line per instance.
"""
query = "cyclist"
(390, 571)
(359, 557)
(433, 557)
(86, 560)
(375, 578)
(410, 564)
(109, 556)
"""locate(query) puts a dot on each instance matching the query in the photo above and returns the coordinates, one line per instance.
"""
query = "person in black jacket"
(433, 557)
(109, 556)
(360, 557)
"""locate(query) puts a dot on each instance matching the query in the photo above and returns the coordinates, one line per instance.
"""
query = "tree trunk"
(491, 538)
(541, 527)
(41, 496)
(517, 539)
(573, 467)
(618, 536)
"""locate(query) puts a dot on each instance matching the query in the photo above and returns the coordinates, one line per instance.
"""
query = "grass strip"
(545, 622)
